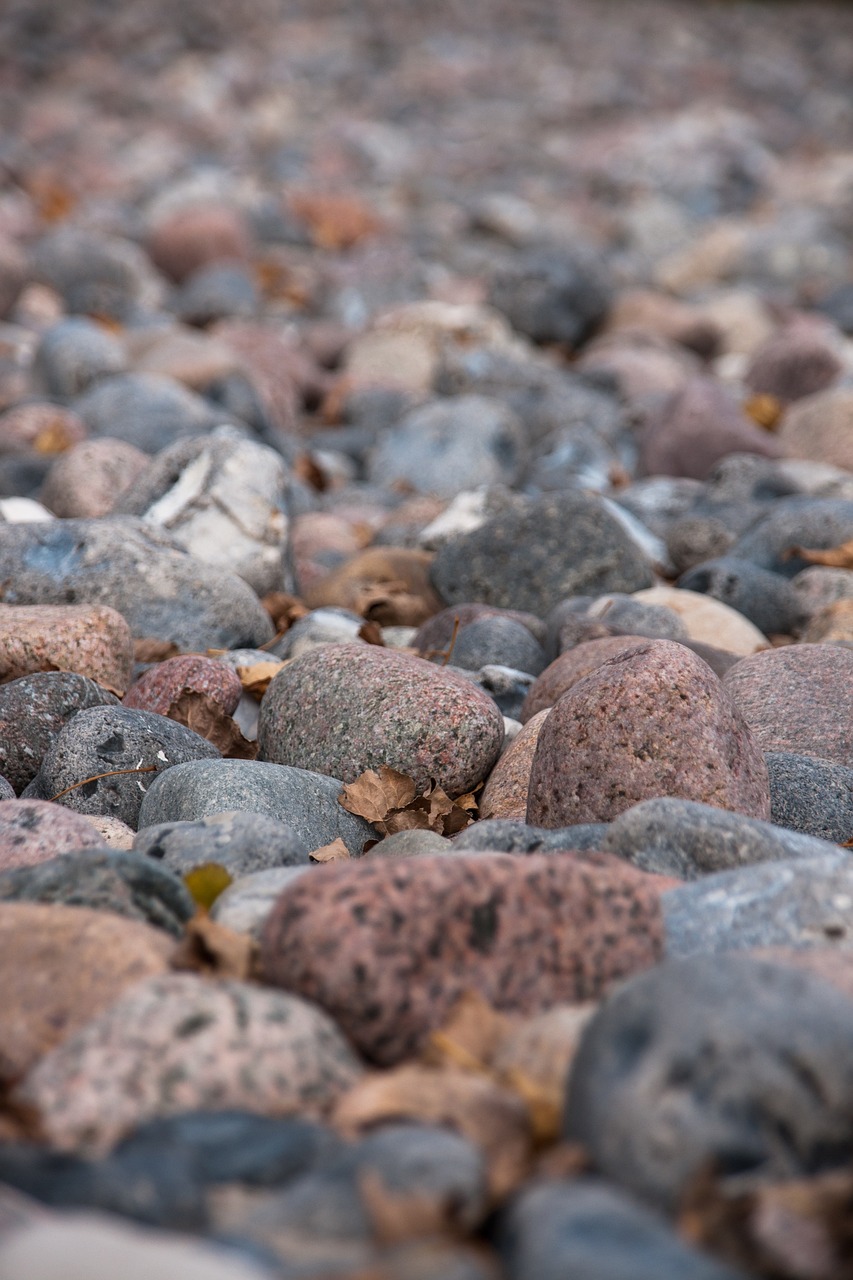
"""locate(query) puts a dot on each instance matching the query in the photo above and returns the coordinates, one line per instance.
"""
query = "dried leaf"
(335, 221)
(211, 949)
(765, 410)
(403, 1215)
(204, 716)
(206, 882)
(334, 852)
(389, 800)
(284, 609)
(389, 604)
(307, 468)
(471, 1036)
(834, 557)
(371, 633)
(150, 649)
(257, 678)
(374, 795)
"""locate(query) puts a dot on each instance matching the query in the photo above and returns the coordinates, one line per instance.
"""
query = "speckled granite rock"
(342, 709)
(799, 699)
(61, 966)
(505, 792)
(92, 641)
(795, 522)
(649, 722)
(33, 831)
(572, 666)
(387, 950)
(819, 427)
(33, 709)
(6, 790)
(180, 1042)
(811, 795)
(158, 688)
(239, 841)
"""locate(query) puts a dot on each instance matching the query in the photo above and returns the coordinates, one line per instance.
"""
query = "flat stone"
(160, 687)
(388, 950)
(505, 792)
(33, 831)
(342, 709)
(178, 1043)
(33, 710)
(240, 842)
(652, 721)
(811, 795)
(90, 640)
(709, 621)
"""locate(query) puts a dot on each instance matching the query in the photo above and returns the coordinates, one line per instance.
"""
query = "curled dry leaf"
(833, 557)
(390, 801)
(211, 949)
(389, 604)
(334, 852)
(150, 649)
(257, 678)
(765, 410)
(284, 609)
(200, 713)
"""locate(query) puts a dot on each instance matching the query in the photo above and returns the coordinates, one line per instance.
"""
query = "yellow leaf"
(206, 882)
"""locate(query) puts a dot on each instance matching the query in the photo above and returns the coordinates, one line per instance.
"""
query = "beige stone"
(505, 792)
(708, 620)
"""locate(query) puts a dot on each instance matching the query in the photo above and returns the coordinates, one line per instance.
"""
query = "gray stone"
(506, 835)
(74, 354)
(122, 562)
(660, 501)
(216, 292)
(625, 616)
(115, 742)
(574, 457)
(33, 710)
(245, 904)
(410, 844)
(552, 294)
(507, 687)
(681, 838)
(498, 641)
(811, 795)
(696, 538)
(531, 557)
(816, 523)
(818, 586)
(803, 903)
(321, 626)
(95, 273)
(719, 1060)
(7, 791)
(305, 802)
(147, 410)
(767, 599)
(106, 880)
(239, 841)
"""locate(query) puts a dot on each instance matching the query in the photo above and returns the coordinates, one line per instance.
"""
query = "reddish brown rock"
(196, 236)
(33, 831)
(93, 640)
(653, 721)
(91, 476)
(799, 360)
(799, 699)
(505, 793)
(40, 428)
(388, 948)
(696, 428)
(572, 666)
(61, 966)
(161, 686)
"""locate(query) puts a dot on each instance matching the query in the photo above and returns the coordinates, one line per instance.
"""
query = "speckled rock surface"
(33, 709)
(811, 795)
(388, 949)
(239, 841)
(179, 1042)
(61, 966)
(505, 792)
(572, 666)
(509, 835)
(795, 522)
(798, 699)
(159, 688)
(92, 641)
(345, 708)
(33, 831)
(766, 599)
(653, 721)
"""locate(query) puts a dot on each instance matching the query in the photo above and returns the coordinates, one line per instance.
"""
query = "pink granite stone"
(92, 640)
(34, 831)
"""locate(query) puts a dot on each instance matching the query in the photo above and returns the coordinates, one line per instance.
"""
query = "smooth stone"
(721, 1060)
(507, 687)
(799, 699)
(699, 425)
(161, 686)
(411, 844)
(114, 833)
(818, 427)
(533, 555)
(798, 360)
(627, 616)
(552, 293)
(240, 842)
(652, 721)
(811, 795)
(217, 291)
(147, 410)
(680, 838)
(832, 625)
(73, 354)
(88, 479)
(33, 831)
(572, 666)
(181, 1043)
(815, 523)
(33, 710)
(803, 903)
(195, 235)
(436, 633)
(766, 599)
(342, 709)
(90, 640)
(510, 835)
(696, 538)
(321, 626)
(102, 748)
(498, 641)
(95, 273)
(121, 562)
(505, 792)
(388, 951)
(709, 621)
(245, 904)
(307, 803)
(114, 880)
(61, 966)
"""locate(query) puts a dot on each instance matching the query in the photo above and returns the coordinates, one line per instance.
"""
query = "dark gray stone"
(505, 835)
(588, 1230)
(33, 710)
(531, 557)
(766, 599)
(437, 632)
(696, 538)
(553, 294)
(305, 802)
(413, 1159)
(497, 641)
(716, 1059)
(115, 880)
(241, 842)
(73, 355)
(106, 740)
(660, 501)
(803, 903)
(216, 292)
(816, 523)
(625, 616)
(7, 791)
(681, 838)
(148, 410)
(811, 795)
(574, 457)
(126, 564)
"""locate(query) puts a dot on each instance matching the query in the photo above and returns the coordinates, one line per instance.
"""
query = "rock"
(795, 699)
(708, 621)
(680, 838)
(104, 879)
(655, 1095)
(570, 667)
(801, 903)
(114, 833)
(816, 523)
(197, 361)
(437, 632)
(838, 305)
(138, 571)
(195, 236)
(811, 795)
(33, 710)
(509, 835)
(90, 640)
(497, 641)
(307, 803)
(319, 627)
(505, 792)
(160, 687)
(651, 721)
(218, 291)
(552, 294)
(32, 831)
(43, 427)
(97, 760)
(798, 360)
(384, 708)
(588, 1230)
(698, 426)
(410, 844)
(696, 538)
(179, 1043)
(147, 410)
(818, 427)
(533, 556)
(95, 274)
(238, 841)
(628, 616)
(74, 354)
(245, 905)
(221, 497)
(830, 625)
(88, 479)
(13, 274)
(389, 954)
(6, 790)
(451, 445)
(766, 599)
(62, 966)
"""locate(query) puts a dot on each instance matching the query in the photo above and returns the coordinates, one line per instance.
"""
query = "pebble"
(498, 641)
(811, 795)
(701, 424)
(816, 523)
(179, 1043)
(73, 354)
(88, 479)
(387, 951)
(572, 666)
(245, 905)
(147, 410)
(240, 842)
(437, 632)
(818, 427)
(186, 239)
(218, 291)
(410, 844)
(33, 710)
(653, 720)
(797, 361)
(709, 621)
(94, 274)
(342, 709)
(33, 831)
(510, 835)
(552, 294)
(90, 640)
(163, 684)
(831, 625)
(45, 428)
(767, 600)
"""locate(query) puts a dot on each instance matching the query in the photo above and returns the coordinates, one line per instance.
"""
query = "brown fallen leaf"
(388, 604)
(765, 410)
(334, 852)
(390, 801)
(257, 678)
(210, 949)
(284, 609)
(471, 1036)
(373, 795)
(840, 557)
(204, 716)
(151, 649)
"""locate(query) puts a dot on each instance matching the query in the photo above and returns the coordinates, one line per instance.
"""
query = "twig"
(110, 773)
